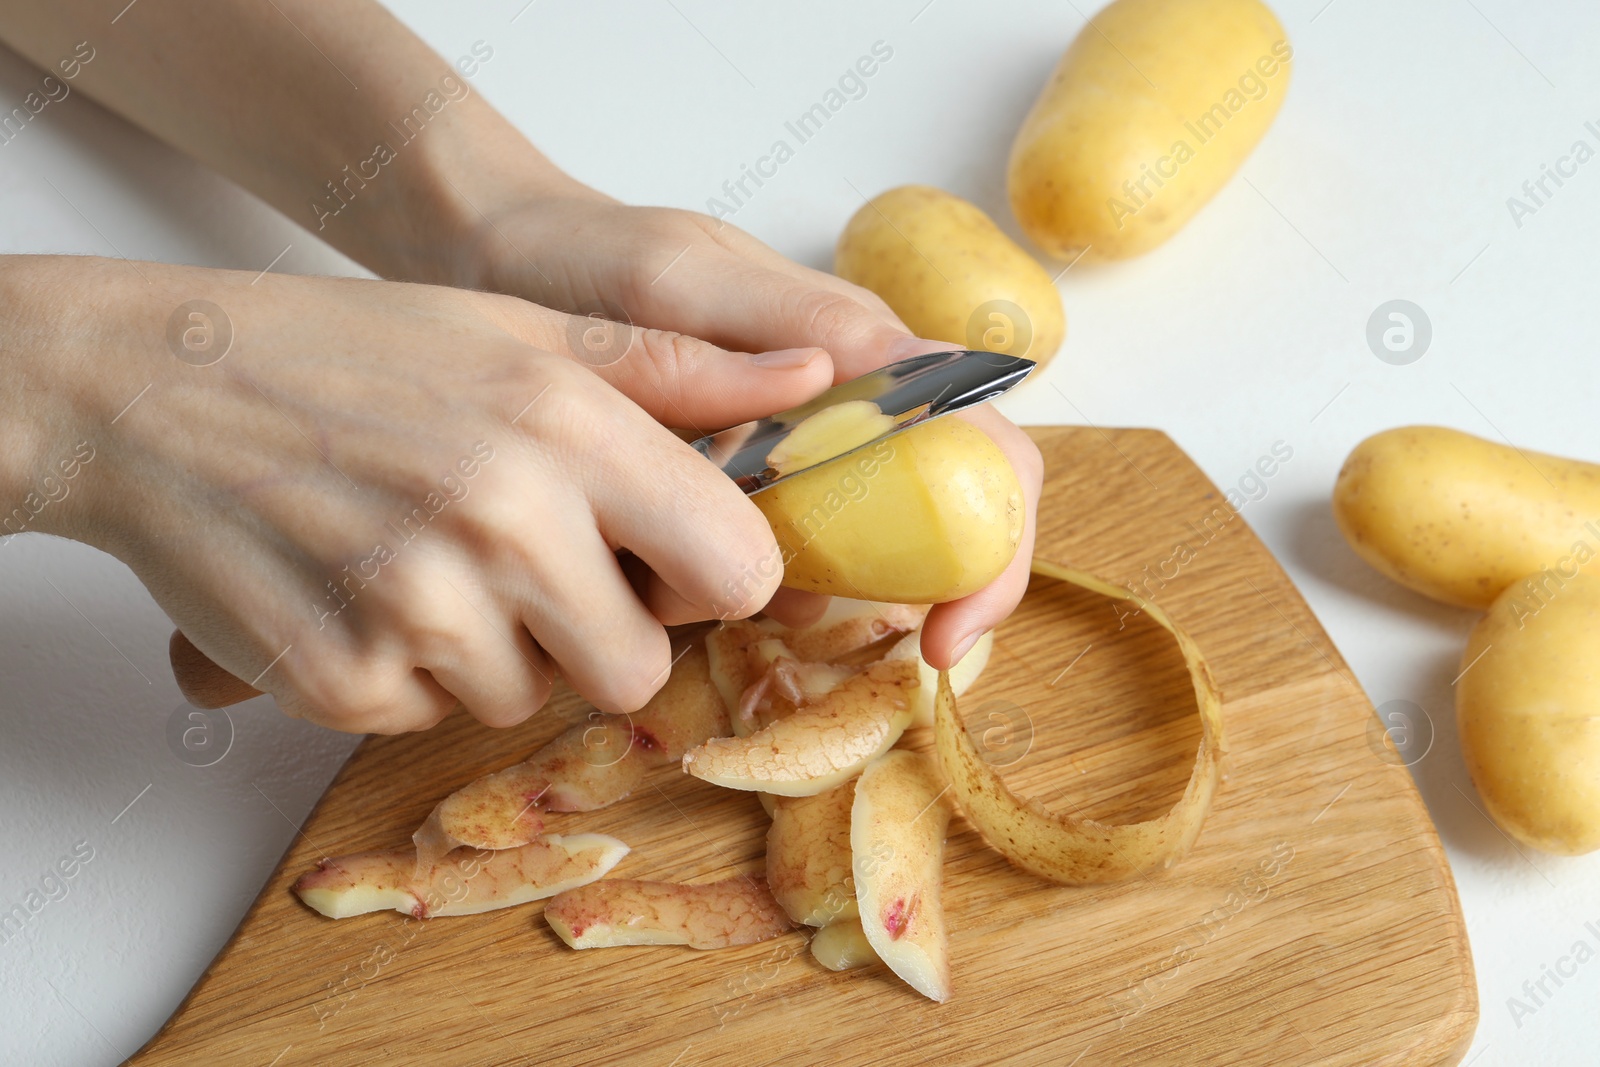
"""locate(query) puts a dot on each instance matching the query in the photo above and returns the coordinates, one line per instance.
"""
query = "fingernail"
(907, 347)
(964, 647)
(784, 358)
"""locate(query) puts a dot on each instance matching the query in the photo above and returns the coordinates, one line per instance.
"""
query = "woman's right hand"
(382, 499)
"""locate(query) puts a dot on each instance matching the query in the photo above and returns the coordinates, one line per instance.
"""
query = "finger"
(664, 602)
(660, 599)
(313, 677)
(678, 380)
(580, 608)
(952, 627)
(698, 534)
(762, 308)
(682, 381)
(796, 608)
(750, 251)
(496, 671)
(370, 694)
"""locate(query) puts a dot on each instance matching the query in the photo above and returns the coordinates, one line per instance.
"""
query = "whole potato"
(925, 516)
(1147, 115)
(1528, 711)
(1459, 518)
(951, 274)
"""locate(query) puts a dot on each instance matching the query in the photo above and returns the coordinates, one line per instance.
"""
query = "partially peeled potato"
(925, 516)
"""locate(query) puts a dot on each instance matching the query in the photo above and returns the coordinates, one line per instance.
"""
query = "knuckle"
(626, 683)
(747, 590)
(671, 222)
(722, 233)
(494, 531)
(874, 303)
(355, 714)
(823, 313)
(549, 383)
(437, 639)
(538, 695)
(410, 719)
(485, 529)
(358, 696)
(672, 359)
(564, 407)
(527, 322)
(745, 577)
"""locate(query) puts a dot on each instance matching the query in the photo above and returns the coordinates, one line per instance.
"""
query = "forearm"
(334, 113)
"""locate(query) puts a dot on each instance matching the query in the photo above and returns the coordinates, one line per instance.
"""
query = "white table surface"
(1386, 176)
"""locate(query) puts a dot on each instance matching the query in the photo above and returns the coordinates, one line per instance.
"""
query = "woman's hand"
(463, 199)
(382, 499)
(691, 274)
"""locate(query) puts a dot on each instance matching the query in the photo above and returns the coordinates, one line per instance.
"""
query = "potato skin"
(1126, 141)
(1459, 518)
(925, 516)
(808, 856)
(1528, 713)
(951, 274)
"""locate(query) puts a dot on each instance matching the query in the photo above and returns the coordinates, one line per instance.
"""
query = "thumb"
(680, 381)
(787, 305)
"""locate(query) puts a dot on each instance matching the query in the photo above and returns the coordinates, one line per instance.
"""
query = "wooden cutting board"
(1315, 922)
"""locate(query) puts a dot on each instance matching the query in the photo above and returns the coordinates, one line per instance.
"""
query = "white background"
(1386, 176)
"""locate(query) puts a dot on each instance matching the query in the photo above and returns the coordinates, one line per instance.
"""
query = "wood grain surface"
(1315, 922)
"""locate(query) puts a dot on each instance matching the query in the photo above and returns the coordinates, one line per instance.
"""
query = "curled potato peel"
(1064, 848)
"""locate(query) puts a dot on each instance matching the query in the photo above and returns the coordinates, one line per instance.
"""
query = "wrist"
(458, 182)
(56, 397)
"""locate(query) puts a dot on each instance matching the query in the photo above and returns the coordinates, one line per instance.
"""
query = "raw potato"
(1528, 712)
(1460, 519)
(951, 274)
(1148, 114)
(929, 515)
(897, 827)
(625, 911)
(466, 882)
(833, 431)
